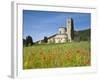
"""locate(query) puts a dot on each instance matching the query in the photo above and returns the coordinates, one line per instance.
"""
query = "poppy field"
(72, 54)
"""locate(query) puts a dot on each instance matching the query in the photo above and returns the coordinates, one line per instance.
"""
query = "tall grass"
(57, 55)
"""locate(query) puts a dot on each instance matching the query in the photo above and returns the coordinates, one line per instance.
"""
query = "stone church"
(65, 34)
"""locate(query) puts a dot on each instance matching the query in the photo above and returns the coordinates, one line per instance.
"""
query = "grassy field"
(57, 55)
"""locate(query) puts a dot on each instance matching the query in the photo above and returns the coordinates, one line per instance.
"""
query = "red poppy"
(86, 62)
(79, 51)
(33, 55)
(69, 56)
(42, 56)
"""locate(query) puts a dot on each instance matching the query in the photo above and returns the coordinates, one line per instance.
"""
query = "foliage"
(24, 42)
(45, 39)
(83, 35)
(72, 29)
(28, 41)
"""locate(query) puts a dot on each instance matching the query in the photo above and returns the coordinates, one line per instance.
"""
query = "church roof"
(55, 35)
(63, 27)
(52, 36)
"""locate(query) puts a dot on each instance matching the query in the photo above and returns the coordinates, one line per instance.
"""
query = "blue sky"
(38, 24)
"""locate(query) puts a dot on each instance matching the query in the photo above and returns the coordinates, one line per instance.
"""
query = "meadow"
(61, 55)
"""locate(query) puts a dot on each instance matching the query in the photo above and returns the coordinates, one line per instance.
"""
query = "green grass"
(57, 55)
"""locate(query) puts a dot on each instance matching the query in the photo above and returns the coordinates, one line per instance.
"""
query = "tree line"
(29, 41)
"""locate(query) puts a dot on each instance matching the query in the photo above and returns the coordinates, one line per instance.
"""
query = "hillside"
(83, 35)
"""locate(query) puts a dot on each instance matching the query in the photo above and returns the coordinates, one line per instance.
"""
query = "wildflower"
(47, 62)
(86, 61)
(33, 55)
(79, 51)
(69, 56)
(69, 51)
(42, 56)
(49, 57)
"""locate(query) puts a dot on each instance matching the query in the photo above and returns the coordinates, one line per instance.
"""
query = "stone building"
(64, 34)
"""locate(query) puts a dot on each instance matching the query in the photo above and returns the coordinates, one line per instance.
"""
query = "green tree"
(72, 29)
(45, 39)
(24, 42)
(29, 41)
